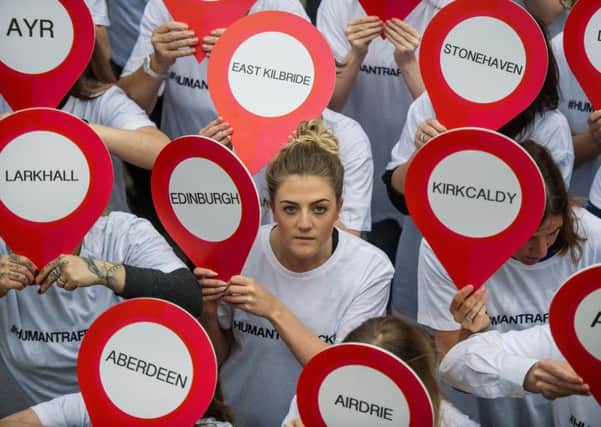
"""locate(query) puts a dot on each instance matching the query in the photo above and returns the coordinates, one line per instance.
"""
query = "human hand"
(426, 131)
(219, 130)
(470, 310)
(361, 31)
(71, 272)
(212, 289)
(405, 40)
(171, 41)
(554, 379)
(208, 42)
(250, 296)
(296, 422)
(16, 272)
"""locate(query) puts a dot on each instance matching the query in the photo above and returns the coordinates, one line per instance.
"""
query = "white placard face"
(474, 193)
(43, 176)
(361, 396)
(35, 35)
(592, 40)
(587, 323)
(146, 370)
(205, 199)
(483, 59)
(271, 74)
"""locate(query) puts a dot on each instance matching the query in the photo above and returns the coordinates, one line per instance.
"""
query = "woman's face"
(305, 209)
(537, 247)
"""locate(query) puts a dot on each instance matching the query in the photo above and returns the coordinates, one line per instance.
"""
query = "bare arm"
(547, 11)
(23, 418)
(405, 40)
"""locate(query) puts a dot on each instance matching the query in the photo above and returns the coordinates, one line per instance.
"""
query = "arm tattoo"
(106, 273)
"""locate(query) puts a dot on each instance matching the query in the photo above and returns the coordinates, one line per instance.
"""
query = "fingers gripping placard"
(361, 385)
(582, 46)
(207, 201)
(56, 178)
(477, 197)
(483, 62)
(44, 47)
(272, 70)
(203, 16)
(388, 9)
(575, 321)
(146, 362)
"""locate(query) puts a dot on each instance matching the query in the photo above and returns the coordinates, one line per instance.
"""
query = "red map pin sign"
(44, 48)
(582, 46)
(207, 201)
(56, 178)
(146, 362)
(273, 69)
(483, 62)
(387, 9)
(204, 16)
(477, 197)
(361, 385)
(575, 321)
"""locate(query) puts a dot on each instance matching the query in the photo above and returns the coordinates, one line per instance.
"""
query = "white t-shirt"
(574, 104)
(99, 12)
(187, 106)
(112, 108)
(259, 376)
(379, 98)
(595, 194)
(355, 155)
(519, 298)
(70, 411)
(550, 130)
(494, 364)
(41, 334)
(449, 415)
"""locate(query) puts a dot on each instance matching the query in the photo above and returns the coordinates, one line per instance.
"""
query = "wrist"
(155, 68)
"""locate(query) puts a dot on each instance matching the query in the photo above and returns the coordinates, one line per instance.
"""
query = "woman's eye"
(289, 209)
(320, 210)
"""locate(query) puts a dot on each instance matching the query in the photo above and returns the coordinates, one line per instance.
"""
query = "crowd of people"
(338, 257)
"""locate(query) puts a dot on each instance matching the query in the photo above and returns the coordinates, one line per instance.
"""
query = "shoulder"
(364, 254)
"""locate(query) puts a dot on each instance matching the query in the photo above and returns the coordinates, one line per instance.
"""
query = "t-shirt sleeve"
(358, 179)
(225, 316)
(435, 291)
(371, 298)
(331, 21)
(64, 411)
(99, 12)
(121, 112)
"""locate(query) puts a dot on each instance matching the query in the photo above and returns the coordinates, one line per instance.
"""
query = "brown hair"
(313, 150)
(218, 409)
(407, 341)
(559, 202)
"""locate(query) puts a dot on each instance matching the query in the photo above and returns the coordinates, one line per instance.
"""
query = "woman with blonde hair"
(305, 283)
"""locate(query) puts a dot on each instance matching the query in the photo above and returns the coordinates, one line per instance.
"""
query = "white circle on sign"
(35, 36)
(146, 370)
(44, 176)
(483, 59)
(587, 323)
(474, 193)
(592, 40)
(271, 74)
(357, 395)
(205, 199)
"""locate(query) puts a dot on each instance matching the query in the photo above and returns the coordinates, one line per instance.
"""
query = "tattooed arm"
(16, 272)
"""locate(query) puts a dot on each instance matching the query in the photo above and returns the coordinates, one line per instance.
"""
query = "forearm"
(179, 287)
(303, 343)
(546, 11)
(139, 147)
(221, 339)
(585, 148)
(142, 88)
(345, 79)
(413, 78)
(397, 179)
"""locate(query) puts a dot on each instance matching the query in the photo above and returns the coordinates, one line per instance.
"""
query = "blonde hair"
(313, 151)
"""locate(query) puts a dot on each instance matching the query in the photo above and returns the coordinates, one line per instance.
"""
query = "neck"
(292, 262)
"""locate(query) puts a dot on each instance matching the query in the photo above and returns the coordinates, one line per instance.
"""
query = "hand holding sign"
(273, 69)
(466, 191)
(575, 321)
(361, 385)
(44, 48)
(207, 201)
(483, 62)
(582, 47)
(56, 178)
(146, 362)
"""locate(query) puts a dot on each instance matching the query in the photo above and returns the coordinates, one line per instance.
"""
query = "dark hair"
(559, 202)
(547, 98)
(407, 341)
(218, 409)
